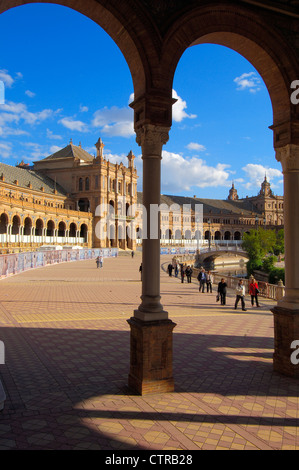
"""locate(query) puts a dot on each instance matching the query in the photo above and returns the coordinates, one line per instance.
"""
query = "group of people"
(206, 280)
(182, 269)
(240, 293)
(99, 261)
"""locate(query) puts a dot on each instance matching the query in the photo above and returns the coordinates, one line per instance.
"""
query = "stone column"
(151, 330)
(286, 313)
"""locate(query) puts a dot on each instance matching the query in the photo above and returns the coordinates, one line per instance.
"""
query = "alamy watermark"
(295, 94)
(136, 221)
(2, 353)
(295, 354)
(2, 92)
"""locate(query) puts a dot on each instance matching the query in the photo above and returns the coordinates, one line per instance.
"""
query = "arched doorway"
(3, 223)
(73, 230)
(84, 232)
(61, 229)
(50, 228)
(16, 223)
(27, 226)
(39, 225)
(227, 235)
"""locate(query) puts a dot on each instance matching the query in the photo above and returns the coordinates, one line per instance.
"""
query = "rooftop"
(27, 177)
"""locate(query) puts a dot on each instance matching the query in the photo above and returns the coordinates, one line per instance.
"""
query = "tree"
(258, 243)
(279, 246)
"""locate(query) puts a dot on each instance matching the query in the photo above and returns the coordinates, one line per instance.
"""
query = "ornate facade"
(67, 198)
(63, 199)
(221, 220)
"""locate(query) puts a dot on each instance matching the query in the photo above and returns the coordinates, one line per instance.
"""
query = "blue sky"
(71, 81)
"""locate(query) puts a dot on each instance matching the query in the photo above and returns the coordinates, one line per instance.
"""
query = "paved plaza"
(66, 366)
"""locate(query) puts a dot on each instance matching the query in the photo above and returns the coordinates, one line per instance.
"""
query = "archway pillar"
(286, 313)
(151, 330)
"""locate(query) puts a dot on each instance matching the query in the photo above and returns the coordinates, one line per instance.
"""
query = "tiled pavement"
(67, 358)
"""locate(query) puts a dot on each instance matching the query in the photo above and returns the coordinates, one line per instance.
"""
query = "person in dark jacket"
(188, 273)
(169, 269)
(222, 289)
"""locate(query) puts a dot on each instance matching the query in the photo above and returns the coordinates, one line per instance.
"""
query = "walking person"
(101, 261)
(176, 270)
(169, 269)
(202, 278)
(98, 261)
(240, 295)
(182, 273)
(189, 272)
(254, 291)
(132, 254)
(222, 289)
(209, 281)
(140, 270)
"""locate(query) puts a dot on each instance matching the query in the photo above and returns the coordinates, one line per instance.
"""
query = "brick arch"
(247, 33)
(118, 25)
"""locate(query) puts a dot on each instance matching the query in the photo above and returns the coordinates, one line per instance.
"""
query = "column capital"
(288, 156)
(152, 138)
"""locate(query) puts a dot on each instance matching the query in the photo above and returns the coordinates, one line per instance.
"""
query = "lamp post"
(256, 222)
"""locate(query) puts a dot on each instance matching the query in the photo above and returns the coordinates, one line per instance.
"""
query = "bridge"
(218, 255)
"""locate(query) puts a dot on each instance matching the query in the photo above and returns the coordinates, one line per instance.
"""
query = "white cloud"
(178, 109)
(115, 121)
(256, 173)
(6, 78)
(50, 135)
(5, 149)
(114, 158)
(248, 81)
(54, 149)
(30, 93)
(14, 112)
(73, 125)
(83, 109)
(195, 146)
(181, 174)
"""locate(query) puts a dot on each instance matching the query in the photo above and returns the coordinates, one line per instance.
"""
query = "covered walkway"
(67, 345)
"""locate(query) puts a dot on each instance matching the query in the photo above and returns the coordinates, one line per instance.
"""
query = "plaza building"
(35, 210)
(216, 220)
(74, 198)
(65, 198)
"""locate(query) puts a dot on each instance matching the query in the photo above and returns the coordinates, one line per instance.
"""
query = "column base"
(286, 330)
(151, 356)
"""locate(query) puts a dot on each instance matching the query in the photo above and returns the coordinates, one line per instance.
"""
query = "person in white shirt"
(240, 295)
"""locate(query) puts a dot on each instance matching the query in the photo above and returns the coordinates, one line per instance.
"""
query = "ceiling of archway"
(164, 12)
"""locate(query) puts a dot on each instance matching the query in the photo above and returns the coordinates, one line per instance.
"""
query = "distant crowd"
(206, 281)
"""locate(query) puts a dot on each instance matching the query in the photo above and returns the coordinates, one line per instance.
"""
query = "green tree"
(258, 243)
(279, 245)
